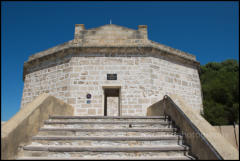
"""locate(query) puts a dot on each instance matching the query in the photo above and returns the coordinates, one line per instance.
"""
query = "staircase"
(106, 138)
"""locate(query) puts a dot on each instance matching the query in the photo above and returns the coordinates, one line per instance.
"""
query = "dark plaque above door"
(111, 76)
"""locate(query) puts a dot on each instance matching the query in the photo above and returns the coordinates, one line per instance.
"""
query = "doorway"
(112, 101)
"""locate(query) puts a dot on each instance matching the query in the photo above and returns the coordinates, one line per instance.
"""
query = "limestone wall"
(51, 77)
(144, 80)
(110, 35)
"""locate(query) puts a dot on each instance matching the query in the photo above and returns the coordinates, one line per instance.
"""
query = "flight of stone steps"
(106, 138)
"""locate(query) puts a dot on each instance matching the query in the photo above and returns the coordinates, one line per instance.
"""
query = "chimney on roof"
(143, 30)
(78, 29)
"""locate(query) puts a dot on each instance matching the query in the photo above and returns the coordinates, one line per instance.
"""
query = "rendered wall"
(230, 133)
(203, 140)
(20, 129)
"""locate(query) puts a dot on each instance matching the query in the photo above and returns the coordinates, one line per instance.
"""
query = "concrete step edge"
(110, 130)
(102, 149)
(106, 117)
(164, 137)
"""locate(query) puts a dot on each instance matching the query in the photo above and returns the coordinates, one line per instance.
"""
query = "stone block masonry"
(143, 81)
(146, 71)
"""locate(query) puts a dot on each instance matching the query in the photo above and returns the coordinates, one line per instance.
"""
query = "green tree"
(220, 86)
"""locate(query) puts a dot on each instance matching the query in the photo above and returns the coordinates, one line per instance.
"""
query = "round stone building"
(112, 71)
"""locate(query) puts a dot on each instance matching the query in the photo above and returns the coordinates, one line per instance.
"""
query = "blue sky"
(208, 30)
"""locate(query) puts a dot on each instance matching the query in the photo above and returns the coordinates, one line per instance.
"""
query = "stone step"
(106, 124)
(107, 118)
(77, 158)
(106, 132)
(106, 138)
(104, 152)
(107, 141)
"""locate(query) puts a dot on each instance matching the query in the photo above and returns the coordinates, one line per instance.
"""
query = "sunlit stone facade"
(144, 72)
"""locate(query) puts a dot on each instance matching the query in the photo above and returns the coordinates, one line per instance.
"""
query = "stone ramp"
(109, 138)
